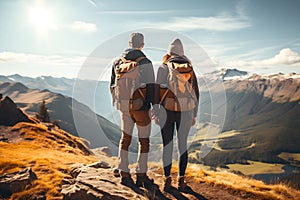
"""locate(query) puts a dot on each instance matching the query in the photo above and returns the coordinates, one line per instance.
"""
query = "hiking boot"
(144, 181)
(116, 172)
(126, 179)
(182, 185)
(167, 185)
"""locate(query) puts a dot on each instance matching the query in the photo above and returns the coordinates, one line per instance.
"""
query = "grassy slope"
(50, 154)
(240, 184)
(265, 113)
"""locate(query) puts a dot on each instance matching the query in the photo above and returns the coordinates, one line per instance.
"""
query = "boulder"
(16, 182)
(103, 151)
(10, 114)
(96, 181)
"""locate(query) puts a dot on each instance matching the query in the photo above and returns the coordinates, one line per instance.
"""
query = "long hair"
(166, 58)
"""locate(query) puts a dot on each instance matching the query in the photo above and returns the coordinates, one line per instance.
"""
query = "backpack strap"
(139, 59)
(164, 96)
(141, 93)
(139, 90)
(124, 60)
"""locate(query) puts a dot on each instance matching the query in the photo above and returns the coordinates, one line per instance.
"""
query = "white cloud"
(93, 3)
(83, 26)
(208, 23)
(40, 59)
(217, 23)
(138, 12)
(284, 57)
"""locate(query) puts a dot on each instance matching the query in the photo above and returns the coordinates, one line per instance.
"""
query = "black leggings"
(183, 122)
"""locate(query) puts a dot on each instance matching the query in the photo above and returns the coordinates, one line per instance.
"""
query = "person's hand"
(156, 120)
(152, 114)
(194, 121)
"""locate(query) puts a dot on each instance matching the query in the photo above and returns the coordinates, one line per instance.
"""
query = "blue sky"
(55, 37)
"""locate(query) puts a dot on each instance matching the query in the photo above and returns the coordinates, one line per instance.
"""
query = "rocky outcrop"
(10, 114)
(106, 151)
(71, 115)
(96, 181)
(16, 182)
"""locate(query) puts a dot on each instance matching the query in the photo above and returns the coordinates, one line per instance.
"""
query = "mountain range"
(261, 120)
(261, 124)
(94, 94)
(95, 128)
(41, 161)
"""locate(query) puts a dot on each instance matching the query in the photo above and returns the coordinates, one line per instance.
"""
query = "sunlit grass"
(290, 156)
(50, 160)
(257, 168)
(242, 184)
(51, 153)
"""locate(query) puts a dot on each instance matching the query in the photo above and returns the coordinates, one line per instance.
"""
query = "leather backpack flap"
(129, 95)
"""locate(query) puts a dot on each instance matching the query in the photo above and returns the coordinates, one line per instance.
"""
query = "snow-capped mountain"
(226, 74)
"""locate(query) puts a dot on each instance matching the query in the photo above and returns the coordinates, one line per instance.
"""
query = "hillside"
(262, 123)
(87, 91)
(52, 153)
(260, 132)
(88, 125)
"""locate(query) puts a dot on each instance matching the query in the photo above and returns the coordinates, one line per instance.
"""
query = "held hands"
(156, 120)
(154, 117)
(194, 121)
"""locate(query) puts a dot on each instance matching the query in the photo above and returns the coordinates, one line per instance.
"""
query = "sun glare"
(41, 18)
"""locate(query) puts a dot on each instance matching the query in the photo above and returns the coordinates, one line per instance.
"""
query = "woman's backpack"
(178, 93)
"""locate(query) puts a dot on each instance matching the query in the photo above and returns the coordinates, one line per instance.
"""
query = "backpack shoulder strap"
(139, 59)
(124, 60)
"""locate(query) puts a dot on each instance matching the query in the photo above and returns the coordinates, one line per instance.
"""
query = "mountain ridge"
(91, 126)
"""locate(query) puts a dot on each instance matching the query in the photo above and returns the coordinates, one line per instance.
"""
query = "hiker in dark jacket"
(183, 117)
(134, 108)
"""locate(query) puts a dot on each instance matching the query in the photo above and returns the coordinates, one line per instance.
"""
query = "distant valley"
(262, 121)
(90, 126)
(92, 93)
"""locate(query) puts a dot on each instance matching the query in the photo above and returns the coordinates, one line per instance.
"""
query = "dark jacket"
(146, 72)
(163, 75)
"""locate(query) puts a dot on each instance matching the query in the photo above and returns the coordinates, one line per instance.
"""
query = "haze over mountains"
(41, 161)
(89, 125)
(99, 100)
(265, 111)
(262, 120)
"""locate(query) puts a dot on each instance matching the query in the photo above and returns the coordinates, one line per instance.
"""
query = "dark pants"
(143, 122)
(183, 122)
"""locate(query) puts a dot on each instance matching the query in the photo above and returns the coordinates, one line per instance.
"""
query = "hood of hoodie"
(132, 54)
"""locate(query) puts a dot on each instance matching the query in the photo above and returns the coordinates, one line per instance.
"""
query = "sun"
(41, 18)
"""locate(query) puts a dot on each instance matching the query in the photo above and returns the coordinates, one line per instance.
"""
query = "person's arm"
(196, 90)
(161, 79)
(162, 76)
(147, 77)
(150, 83)
(112, 79)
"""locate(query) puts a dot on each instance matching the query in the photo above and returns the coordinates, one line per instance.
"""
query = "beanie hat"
(136, 40)
(176, 48)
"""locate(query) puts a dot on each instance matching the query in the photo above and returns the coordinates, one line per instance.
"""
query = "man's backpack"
(178, 93)
(128, 94)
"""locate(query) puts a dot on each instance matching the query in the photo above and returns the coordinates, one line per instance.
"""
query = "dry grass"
(241, 184)
(290, 156)
(49, 154)
(257, 168)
